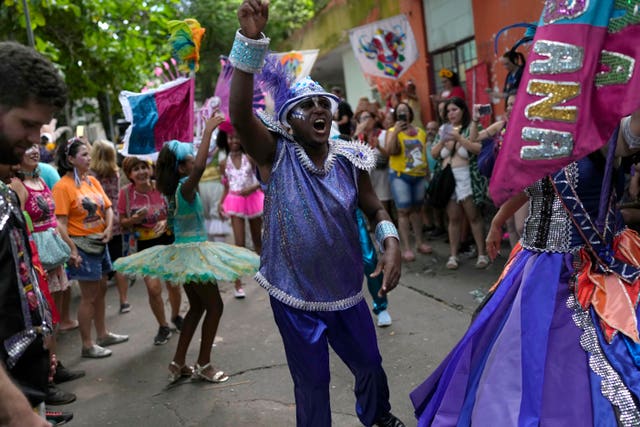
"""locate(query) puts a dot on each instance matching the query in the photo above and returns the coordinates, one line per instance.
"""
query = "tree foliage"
(101, 46)
(105, 46)
(220, 20)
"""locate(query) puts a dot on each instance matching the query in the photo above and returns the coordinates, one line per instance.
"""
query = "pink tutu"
(250, 206)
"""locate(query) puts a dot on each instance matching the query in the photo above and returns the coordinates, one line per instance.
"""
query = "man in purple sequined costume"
(311, 262)
(31, 90)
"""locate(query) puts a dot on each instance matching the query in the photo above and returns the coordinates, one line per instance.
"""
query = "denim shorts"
(407, 191)
(92, 268)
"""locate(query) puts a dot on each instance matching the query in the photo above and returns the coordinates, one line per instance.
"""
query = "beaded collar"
(358, 153)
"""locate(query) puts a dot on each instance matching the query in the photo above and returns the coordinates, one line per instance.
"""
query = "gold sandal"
(200, 374)
(176, 371)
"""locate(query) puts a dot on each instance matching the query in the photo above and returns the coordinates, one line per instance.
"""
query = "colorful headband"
(70, 143)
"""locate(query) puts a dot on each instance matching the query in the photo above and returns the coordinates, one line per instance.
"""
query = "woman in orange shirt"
(84, 214)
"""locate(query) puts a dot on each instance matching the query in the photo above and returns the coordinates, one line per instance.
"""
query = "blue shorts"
(407, 191)
(93, 267)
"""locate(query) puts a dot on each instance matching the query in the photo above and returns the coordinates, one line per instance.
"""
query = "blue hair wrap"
(182, 150)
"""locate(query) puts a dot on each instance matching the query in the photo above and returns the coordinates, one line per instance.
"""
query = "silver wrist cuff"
(248, 54)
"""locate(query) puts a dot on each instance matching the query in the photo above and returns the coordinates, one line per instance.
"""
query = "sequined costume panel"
(311, 257)
(547, 227)
(555, 341)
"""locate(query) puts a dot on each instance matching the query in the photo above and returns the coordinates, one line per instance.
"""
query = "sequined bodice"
(311, 257)
(549, 227)
(242, 177)
(40, 207)
(188, 220)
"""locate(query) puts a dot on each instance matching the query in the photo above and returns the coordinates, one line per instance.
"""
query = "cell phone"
(80, 131)
(403, 117)
(445, 131)
(484, 109)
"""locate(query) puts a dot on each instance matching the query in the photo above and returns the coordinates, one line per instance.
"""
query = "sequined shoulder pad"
(358, 153)
(273, 125)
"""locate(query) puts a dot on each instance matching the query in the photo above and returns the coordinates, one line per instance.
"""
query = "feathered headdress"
(185, 40)
(276, 81)
(223, 88)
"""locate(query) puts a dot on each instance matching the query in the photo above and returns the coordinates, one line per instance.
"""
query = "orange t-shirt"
(85, 206)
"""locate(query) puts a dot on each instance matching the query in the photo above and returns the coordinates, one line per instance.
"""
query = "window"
(457, 57)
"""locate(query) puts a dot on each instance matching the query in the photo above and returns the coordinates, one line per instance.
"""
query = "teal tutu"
(198, 262)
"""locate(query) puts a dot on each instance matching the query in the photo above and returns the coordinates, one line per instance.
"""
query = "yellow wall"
(329, 29)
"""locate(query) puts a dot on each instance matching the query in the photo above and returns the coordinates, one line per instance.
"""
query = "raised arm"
(250, 43)
(188, 189)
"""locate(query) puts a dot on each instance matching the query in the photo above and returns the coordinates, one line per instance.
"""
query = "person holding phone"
(408, 170)
(491, 139)
(455, 147)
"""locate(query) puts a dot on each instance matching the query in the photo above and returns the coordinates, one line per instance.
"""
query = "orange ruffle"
(613, 299)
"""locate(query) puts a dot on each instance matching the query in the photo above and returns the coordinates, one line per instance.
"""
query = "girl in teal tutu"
(191, 260)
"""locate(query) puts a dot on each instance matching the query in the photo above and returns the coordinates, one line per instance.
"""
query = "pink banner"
(580, 80)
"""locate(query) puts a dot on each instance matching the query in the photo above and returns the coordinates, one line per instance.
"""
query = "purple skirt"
(525, 359)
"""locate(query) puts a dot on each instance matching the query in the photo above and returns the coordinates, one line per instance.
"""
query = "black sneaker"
(389, 420)
(177, 322)
(437, 232)
(56, 396)
(164, 333)
(57, 418)
(125, 307)
(63, 374)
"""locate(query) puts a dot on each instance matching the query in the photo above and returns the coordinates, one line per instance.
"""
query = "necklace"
(29, 174)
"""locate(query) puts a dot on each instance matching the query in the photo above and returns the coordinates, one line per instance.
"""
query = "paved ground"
(431, 309)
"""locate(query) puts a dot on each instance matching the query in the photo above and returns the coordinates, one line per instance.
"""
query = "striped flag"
(157, 116)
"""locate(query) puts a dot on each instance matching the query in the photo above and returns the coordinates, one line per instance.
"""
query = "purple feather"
(275, 81)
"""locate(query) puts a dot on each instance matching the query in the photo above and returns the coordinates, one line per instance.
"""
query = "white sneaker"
(384, 319)
(239, 293)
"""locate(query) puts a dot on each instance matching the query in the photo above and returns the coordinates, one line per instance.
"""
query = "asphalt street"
(431, 308)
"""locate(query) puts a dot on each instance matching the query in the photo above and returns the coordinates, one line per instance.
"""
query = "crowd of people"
(314, 178)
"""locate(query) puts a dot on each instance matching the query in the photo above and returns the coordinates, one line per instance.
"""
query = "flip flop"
(408, 256)
(74, 325)
(425, 249)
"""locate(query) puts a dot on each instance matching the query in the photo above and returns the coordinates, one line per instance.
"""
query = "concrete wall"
(356, 85)
(447, 22)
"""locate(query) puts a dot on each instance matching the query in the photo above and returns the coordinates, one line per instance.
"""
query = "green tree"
(221, 22)
(101, 46)
(106, 46)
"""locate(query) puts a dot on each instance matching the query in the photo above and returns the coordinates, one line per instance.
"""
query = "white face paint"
(298, 113)
(304, 107)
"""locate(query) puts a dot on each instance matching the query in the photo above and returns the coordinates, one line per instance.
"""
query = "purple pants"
(306, 335)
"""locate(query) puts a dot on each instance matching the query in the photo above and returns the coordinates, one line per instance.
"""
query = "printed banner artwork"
(385, 48)
(298, 63)
(580, 79)
(157, 116)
